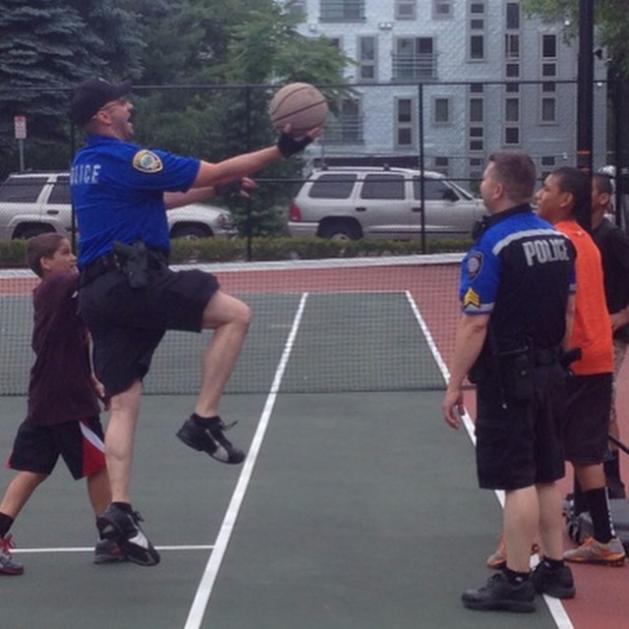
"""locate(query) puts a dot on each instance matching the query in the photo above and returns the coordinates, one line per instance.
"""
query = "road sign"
(20, 127)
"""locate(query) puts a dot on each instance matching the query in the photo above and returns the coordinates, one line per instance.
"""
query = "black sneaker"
(123, 528)
(207, 436)
(108, 551)
(499, 594)
(558, 582)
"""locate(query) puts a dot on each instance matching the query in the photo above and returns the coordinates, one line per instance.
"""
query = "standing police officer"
(515, 291)
(129, 297)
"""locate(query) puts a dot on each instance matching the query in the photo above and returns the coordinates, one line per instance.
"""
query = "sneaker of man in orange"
(8, 565)
(498, 559)
(610, 554)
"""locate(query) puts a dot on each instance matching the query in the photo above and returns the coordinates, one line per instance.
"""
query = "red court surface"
(601, 601)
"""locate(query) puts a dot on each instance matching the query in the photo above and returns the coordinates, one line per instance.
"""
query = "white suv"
(38, 202)
(372, 202)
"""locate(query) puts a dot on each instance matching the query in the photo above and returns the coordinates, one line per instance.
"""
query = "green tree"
(233, 49)
(45, 48)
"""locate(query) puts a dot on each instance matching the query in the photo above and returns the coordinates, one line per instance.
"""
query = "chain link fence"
(445, 127)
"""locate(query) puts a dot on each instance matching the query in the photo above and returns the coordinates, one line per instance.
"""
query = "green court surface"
(356, 508)
(361, 511)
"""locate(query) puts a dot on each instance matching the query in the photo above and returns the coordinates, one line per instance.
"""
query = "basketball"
(301, 105)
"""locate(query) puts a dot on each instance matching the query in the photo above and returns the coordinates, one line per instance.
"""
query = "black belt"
(108, 263)
(98, 267)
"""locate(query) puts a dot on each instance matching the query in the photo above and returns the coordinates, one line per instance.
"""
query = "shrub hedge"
(12, 253)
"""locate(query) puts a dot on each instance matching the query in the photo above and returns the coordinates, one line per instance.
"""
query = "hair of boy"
(42, 246)
(603, 183)
(515, 170)
(575, 182)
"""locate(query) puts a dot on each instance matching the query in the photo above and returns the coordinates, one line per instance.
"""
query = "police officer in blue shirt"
(516, 285)
(129, 297)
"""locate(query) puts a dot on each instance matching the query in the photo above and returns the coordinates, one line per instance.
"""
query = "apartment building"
(467, 77)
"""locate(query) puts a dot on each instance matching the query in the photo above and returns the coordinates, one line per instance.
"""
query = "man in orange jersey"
(566, 191)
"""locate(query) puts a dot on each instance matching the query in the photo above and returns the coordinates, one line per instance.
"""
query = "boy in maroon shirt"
(62, 417)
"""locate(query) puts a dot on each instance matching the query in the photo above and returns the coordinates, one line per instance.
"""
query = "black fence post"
(420, 115)
(249, 221)
(72, 210)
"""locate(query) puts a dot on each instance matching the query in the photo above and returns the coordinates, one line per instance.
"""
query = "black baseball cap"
(92, 94)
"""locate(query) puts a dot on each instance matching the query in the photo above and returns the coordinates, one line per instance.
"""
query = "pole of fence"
(73, 211)
(249, 221)
(422, 160)
(585, 98)
(618, 152)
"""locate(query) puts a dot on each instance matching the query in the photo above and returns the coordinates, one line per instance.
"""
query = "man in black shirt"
(614, 246)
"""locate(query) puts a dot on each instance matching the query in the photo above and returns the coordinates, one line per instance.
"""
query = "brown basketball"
(301, 105)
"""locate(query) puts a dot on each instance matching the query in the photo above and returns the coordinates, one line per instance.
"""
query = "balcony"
(342, 11)
(414, 67)
(345, 129)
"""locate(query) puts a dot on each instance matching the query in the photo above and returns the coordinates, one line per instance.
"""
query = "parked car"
(37, 202)
(373, 202)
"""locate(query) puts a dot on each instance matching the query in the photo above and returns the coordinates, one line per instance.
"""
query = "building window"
(512, 88)
(477, 47)
(414, 58)
(405, 123)
(367, 58)
(476, 31)
(512, 110)
(442, 9)
(549, 69)
(441, 111)
(476, 110)
(342, 10)
(512, 135)
(549, 46)
(297, 7)
(512, 46)
(512, 70)
(513, 15)
(477, 88)
(549, 110)
(404, 9)
(335, 42)
(345, 127)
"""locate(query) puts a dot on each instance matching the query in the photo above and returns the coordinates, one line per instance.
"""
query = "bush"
(13, 252)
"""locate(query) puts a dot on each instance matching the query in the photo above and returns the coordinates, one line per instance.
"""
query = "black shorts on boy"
(80, 443)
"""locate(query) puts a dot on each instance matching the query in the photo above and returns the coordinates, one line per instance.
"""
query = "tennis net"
(362, 324)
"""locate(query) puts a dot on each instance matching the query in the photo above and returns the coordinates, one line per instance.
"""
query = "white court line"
(556, 608)
(90, 549)
(204, 591)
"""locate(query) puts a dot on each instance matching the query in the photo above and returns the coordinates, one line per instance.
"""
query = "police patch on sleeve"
(474, 264)
(471, 298)
(147, 162)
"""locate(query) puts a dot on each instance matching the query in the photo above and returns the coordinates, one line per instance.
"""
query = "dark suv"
(39, 202)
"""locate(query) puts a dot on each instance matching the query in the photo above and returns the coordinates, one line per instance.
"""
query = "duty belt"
(108, 263)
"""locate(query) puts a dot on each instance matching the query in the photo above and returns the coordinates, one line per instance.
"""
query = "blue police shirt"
(521, 271)
(117, 189)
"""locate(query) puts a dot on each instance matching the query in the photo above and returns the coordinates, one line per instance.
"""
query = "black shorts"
(586, 418)
(127, 323)
(520, 445)
(80, 443)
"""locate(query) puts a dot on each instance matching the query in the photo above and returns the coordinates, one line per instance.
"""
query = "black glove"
(228, 189)
(288, 145)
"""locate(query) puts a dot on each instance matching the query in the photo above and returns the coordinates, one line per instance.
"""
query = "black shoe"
(108, 551)
(558, 582)
(499, 594)
(207, 436)
(123, 528)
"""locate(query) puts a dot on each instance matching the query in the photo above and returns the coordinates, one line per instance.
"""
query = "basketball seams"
(293, 104)
(282, 100)
(296, 111)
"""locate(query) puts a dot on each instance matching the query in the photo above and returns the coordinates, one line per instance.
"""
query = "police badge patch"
(474, 264)
(147, 162)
